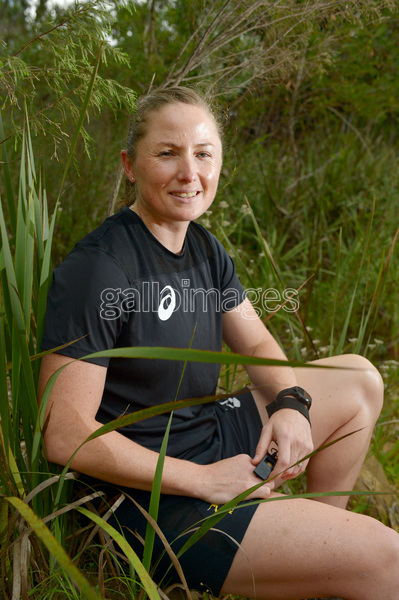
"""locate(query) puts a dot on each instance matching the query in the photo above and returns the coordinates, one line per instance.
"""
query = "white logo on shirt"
(167, 304)
(232, 402)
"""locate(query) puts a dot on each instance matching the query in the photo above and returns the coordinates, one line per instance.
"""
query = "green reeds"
(25, 269)
(31, 495)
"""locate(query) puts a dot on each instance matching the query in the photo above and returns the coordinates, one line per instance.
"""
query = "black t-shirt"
(120, 287)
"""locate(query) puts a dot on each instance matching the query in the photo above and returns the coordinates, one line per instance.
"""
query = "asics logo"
(167, 304)
(231, 402)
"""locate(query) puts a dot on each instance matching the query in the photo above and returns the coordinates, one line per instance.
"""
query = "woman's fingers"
(290, 431)
(232, 476)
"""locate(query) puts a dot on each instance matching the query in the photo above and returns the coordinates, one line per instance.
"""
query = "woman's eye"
(165, 153)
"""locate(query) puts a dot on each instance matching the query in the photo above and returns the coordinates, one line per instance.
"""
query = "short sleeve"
(84, 304)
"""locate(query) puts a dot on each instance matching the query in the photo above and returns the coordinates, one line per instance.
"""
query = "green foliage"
(315, 214)
(363, 81)
(25, 270)
(51, 71)
(315, 155)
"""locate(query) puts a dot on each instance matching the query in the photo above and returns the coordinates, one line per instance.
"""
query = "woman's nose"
(187, 170)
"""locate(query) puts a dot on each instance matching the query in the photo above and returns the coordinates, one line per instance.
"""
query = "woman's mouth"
(185, 194)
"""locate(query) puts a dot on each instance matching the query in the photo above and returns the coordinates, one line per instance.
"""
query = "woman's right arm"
(71, 418)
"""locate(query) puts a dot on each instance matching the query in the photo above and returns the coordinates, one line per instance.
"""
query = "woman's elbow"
(63, 437)
(61, 440)
(57, 450)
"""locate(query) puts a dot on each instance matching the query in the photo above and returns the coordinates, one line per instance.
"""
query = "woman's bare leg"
(299, 548)
(344, 400)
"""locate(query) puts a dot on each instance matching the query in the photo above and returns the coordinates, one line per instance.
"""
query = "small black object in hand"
(266, 465)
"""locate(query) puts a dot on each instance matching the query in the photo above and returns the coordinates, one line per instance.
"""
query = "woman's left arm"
(244, 332)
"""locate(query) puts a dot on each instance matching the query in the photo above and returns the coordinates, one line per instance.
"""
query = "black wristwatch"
(298, 393)
(293, 397)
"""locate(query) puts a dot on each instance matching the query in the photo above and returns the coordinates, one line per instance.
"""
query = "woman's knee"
(367, 383)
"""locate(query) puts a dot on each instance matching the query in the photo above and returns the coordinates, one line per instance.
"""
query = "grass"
(296, 226)
(330, 224)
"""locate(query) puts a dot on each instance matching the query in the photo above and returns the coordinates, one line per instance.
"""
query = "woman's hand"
(245, 333)
(291, 432)
(221, 481)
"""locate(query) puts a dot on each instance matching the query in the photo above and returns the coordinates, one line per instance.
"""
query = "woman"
(151, 276)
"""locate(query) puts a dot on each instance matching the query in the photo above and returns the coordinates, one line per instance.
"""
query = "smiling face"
(177, 165)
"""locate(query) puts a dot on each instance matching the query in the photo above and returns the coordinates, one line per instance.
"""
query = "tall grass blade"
(205, 356)
(54, 547)
(25, 237)
(237, 258)
(273, 267)
(209, 522)
(375, 303)
(265, 247)
(19, 325)
(8, 182)
(3, 523)
(82, 116)
(14, 473)
(336, 294)
(178, 354)
(152, 352)
(366, 242)
(45, 271)
(134, 560)
(48, 232)
(156, 486)
(165, 542)
(154, 500)
(4, 400)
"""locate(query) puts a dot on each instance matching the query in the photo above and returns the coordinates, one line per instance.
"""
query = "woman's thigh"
(298, 548)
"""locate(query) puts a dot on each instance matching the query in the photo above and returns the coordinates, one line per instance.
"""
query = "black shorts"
(207, 563)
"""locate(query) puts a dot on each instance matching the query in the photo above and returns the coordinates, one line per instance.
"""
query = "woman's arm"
(113, 457)
(244, 332)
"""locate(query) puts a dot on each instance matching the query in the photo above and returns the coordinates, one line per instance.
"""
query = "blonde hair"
(153, 102)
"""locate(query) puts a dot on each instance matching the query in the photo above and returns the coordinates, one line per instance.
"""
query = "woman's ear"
(127, 165)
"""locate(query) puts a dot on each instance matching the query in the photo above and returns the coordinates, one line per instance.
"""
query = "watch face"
(306, 401)
(299, 394)
(303, 396)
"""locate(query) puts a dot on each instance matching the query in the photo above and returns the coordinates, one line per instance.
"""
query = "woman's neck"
(170, 234)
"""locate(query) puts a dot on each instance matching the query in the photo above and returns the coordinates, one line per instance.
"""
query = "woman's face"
(177, 163)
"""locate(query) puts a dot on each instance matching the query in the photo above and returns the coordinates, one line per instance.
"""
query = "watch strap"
(298, 393)
(287, 402)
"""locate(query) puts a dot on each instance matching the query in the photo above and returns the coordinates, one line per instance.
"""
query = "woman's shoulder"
(102, 250)
(112, 233)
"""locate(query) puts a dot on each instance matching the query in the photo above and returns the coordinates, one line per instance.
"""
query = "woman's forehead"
(180, 120)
